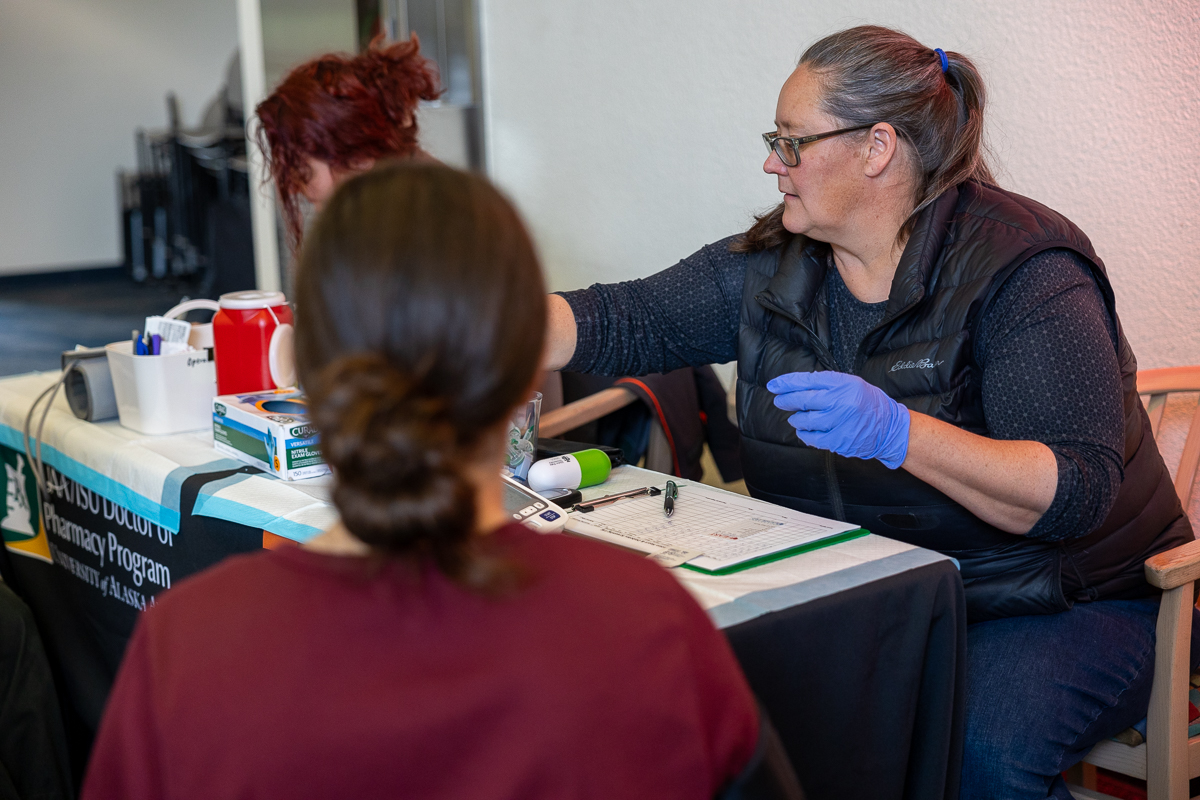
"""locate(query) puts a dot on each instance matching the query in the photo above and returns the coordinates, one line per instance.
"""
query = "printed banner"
(88, 566)
(119, 554)
(20, 525)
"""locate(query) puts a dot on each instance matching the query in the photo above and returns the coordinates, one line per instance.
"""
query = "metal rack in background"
(186, 210)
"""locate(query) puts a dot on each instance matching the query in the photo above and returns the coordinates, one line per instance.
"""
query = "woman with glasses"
(940, 361)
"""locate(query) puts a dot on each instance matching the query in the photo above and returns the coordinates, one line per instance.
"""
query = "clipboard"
(712, 531)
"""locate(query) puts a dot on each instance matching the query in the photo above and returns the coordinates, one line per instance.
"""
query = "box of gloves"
(269, 430)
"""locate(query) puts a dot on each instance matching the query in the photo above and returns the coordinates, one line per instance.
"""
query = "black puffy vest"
(964, 246)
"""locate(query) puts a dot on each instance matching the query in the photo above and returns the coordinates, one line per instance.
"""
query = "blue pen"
(155, 345)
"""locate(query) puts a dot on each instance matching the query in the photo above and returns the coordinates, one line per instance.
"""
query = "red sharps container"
(254, 342)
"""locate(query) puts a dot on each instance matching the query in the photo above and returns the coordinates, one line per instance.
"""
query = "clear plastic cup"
(523, 437)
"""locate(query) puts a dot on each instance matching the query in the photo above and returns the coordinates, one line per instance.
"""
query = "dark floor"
(42, 315)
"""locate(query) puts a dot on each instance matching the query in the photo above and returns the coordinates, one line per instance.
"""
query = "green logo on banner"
(19, 520)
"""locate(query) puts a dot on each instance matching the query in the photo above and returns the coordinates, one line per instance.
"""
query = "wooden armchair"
(1167, 759)
(558, 421)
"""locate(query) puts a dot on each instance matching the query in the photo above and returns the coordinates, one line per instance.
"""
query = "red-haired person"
(336, 115)
(426, 646)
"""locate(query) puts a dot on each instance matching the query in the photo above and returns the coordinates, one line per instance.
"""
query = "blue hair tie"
(941, 54)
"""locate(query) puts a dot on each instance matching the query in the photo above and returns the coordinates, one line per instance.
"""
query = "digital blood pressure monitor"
(531, 509)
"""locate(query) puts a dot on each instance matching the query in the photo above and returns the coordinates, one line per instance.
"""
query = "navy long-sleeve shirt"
(1047, 347)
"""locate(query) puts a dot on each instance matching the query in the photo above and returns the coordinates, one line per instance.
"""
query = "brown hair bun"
(399, 487)
(420, 318)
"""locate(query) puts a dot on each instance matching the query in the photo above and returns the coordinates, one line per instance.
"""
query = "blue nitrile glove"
(845, 414)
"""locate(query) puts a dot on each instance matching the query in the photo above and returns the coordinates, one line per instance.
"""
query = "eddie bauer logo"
(924, 363)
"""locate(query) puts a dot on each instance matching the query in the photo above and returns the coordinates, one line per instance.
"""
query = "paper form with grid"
(728, 529)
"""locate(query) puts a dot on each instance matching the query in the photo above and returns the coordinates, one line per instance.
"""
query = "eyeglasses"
(788, 147)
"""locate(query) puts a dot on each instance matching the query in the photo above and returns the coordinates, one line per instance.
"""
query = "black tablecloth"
(866, 686)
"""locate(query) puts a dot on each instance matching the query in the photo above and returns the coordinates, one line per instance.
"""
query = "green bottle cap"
(594, 466)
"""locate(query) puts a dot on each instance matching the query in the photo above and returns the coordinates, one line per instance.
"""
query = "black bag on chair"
(689, 404)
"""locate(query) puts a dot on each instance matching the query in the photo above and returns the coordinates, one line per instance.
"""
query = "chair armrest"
(1174, 567)
(1168, 379)
(583, 411)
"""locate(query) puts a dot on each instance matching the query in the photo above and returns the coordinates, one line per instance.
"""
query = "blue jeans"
(1041, 690)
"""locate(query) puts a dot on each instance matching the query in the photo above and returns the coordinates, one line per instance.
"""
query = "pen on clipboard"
(669, 497)
(650, 491)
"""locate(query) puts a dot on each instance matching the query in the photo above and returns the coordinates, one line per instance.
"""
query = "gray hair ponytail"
(874, 74)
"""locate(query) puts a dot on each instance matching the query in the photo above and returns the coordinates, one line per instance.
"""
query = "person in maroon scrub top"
(425, 646)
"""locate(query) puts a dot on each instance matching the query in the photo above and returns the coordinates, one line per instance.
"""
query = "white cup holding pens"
(163, 383)
(523, 437)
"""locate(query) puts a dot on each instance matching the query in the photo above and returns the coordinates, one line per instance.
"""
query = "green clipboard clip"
(782, 554)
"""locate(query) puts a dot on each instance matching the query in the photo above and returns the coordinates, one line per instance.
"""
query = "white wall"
(294, 31)
(76, 78)
(628, 131)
